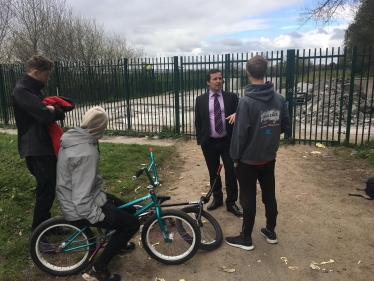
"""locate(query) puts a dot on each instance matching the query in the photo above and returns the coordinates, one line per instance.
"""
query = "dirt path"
(317, 222)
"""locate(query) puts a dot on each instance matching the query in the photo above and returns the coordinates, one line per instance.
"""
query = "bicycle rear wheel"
(48, 248)
(179, 227)
(211, 232)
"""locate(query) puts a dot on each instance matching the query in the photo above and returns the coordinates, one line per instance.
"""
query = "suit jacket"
(202, 123)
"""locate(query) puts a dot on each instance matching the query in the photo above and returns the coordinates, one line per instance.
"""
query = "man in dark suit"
(214, 118)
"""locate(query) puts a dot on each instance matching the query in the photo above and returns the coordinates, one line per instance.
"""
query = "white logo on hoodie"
(272, 115)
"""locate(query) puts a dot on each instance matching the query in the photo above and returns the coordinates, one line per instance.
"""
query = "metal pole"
(2, 96)
(351, 90)
(290, 74)
(127, 93)
(176, 94)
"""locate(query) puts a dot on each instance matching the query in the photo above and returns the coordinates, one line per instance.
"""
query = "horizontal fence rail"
(329, 92)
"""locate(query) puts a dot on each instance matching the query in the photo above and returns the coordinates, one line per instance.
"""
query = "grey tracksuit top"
(79, 184)
(261, 117)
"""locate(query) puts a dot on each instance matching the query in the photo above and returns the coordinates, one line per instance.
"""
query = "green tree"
(360, 32)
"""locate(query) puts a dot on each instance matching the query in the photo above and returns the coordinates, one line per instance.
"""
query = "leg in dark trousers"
(230, 178)
(221, 148)
(267, 183)
(43, 168)
(119, 202)
(212, 159)
(125, 224)
(247, 176)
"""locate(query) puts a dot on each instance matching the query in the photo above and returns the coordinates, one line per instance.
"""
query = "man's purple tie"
(217, 115)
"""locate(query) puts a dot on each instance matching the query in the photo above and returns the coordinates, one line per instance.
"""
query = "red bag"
(54, 130)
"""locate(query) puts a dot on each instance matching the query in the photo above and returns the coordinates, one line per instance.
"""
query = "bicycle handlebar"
(137, 174)
(152, 168)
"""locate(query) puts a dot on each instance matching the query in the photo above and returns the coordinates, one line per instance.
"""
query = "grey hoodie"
(79, 184)
(261, 117)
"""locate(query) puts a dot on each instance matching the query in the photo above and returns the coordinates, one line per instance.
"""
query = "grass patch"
(6, 127)
(363, 152)
(118, 164)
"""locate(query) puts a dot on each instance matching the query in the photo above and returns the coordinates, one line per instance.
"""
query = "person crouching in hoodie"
(80, 193)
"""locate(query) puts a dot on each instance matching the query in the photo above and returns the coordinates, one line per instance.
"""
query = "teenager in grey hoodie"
(80, 194)
(261, 117)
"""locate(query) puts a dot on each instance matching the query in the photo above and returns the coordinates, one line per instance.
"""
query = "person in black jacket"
(34, 142)
(214, 118)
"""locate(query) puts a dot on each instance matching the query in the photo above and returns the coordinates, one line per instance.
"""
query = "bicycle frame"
(153, 203)
(199, 203)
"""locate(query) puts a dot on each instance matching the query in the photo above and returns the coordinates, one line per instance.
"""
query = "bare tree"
(116, 47)
(6, 19)
(33, 25)
(323, 12)
(50, 28)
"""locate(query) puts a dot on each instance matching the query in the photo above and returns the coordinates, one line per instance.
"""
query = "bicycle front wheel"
(50, 249)
(211, 232)
(179, 227)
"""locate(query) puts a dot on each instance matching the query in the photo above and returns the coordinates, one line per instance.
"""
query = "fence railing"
(329, 92)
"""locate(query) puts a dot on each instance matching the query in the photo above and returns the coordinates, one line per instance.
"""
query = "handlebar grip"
(137, 174)
(219, 169)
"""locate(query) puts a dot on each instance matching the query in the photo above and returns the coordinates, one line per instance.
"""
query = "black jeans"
(247, 176)
(121, 220)
(220, 148)
(43, 168)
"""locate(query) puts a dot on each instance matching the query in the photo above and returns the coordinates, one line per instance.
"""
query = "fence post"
(2, 96)
(227, 73)
(351, 90)
(126, 87)
(57, 84)
(183, 92)
(176, 94)
(290, 74)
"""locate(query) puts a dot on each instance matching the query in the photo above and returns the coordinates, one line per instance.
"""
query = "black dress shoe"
(235, 210)
(215, 204)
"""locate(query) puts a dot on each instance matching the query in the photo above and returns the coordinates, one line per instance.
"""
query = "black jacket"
(31, 115)
(202, 123)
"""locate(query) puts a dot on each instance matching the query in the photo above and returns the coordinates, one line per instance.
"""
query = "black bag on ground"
(369, 190)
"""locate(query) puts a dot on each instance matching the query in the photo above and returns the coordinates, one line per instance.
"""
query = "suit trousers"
(247, 176)
(220, 148)
(43, 168)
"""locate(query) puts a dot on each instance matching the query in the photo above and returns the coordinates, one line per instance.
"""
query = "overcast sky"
(205, 27)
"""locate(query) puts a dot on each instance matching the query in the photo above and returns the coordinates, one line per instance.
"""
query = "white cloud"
(194, 27)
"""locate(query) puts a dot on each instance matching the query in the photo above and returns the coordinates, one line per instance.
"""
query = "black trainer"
(130, 246)
(58, 230)
(46, 247)
(240, 242)
(271, 237)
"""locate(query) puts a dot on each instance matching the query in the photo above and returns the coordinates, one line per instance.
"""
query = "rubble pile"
(326, 102)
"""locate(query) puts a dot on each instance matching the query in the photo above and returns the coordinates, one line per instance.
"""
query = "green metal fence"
(329, 92)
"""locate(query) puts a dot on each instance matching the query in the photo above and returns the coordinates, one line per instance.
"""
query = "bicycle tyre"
(178, 250)
(211, 231)
(46, 253)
